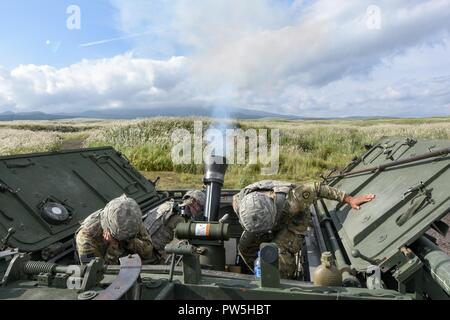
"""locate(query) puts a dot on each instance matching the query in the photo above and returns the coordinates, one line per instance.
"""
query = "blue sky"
(311, 58)
(27, 25)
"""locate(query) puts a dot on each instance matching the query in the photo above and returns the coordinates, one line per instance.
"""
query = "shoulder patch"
(306, 194)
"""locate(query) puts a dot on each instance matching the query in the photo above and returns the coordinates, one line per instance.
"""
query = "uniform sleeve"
(327, 192)
(142, 245)
(87, 247)
(309, 193)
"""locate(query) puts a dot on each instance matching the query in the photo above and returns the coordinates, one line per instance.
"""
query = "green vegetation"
(307, 148)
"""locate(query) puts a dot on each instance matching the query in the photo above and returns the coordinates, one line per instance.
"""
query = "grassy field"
(307, 148)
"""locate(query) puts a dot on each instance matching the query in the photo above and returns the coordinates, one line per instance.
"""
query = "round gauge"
(55, 213)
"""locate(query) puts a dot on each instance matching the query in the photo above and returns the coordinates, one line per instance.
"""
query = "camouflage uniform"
(122, 218)
(160, 224)
(278, 212)
(162, 221)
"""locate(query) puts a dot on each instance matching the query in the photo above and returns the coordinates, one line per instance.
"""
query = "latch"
(409, 142)
(418, 202)
(385, 148)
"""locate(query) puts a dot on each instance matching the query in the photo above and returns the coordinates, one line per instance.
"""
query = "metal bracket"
(130, 269)
(4, 241)
(411, 265)
(60, 280)
(93, 274)
(15, 270)
(192, 272)
(8, 253)
(44, 279)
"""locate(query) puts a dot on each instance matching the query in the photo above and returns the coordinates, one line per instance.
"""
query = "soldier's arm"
(310, 192)
(327, 192)
(142, 244)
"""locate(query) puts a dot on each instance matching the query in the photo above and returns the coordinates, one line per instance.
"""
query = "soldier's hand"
(356, 202)
(113, 243)
(131, 245)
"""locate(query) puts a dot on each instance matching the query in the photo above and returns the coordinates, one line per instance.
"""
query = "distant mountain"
(135, 113)
(11, 116)
(238, 113)
(180, 112)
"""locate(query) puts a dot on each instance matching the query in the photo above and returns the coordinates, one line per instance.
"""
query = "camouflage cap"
(198, 195)
(122, 217)
(257, 212)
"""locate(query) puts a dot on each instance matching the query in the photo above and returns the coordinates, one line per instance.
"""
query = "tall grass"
(14, 141)
(307, 148)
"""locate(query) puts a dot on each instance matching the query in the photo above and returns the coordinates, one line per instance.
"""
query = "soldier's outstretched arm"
(327, 192)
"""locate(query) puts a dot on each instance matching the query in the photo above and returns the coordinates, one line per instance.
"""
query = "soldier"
(278, 212)
(114, 232)
(162, 220)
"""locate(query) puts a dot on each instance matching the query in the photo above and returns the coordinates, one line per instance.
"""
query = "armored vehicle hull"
(381, 251)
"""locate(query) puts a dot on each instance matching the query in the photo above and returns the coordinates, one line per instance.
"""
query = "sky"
(323, 58)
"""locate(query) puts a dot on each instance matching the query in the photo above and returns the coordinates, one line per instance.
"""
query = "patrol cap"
(198, 195)
(257, 212)
(122, 217)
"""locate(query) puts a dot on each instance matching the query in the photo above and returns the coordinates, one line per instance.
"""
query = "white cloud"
(310, 58)
(117, 82)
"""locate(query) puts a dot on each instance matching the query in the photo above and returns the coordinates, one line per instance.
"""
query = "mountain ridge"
(134, 113)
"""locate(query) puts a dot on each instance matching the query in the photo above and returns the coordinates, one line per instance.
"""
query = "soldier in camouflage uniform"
(114, 232)
(162, 220)
(278, 212)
